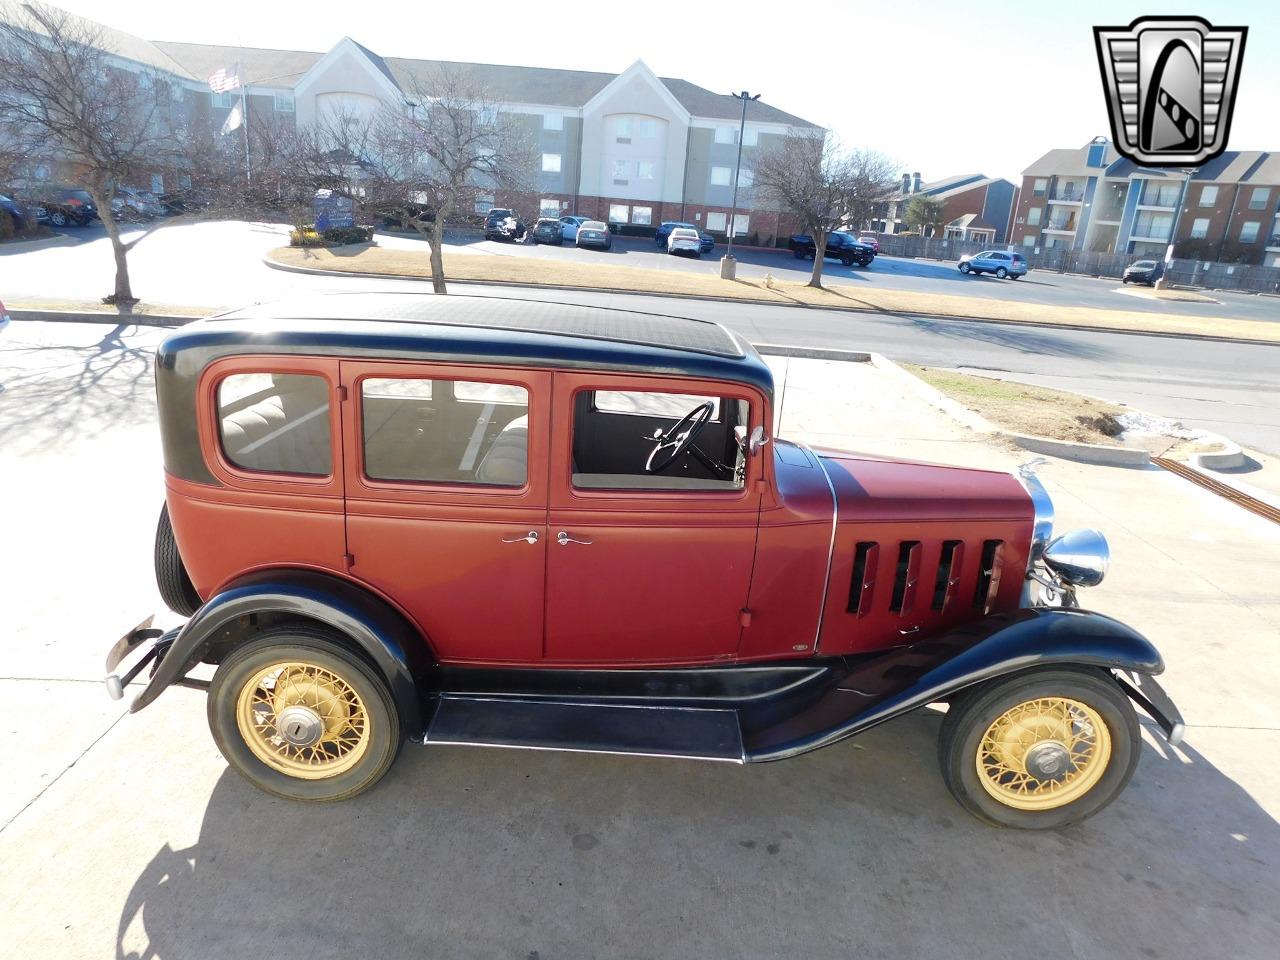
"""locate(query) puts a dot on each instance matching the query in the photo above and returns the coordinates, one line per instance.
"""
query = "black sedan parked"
(1143, 271)
(17, 213)
(63, 206)
(548, 230)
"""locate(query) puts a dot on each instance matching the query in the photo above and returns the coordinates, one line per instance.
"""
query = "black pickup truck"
(840, 246)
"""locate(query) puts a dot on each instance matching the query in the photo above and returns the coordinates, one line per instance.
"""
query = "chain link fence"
(1190, 273)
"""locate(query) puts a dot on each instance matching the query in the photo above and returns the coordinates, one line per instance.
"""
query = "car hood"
(872, 489)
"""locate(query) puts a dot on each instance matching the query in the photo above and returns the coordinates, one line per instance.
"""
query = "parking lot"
(125, 835)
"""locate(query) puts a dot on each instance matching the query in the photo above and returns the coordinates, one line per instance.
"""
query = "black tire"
(1001, 273)
(175, 586)
(847, 261)
(1124, 280)
(972, 714)
(798, 254)
(965, 268)
(57, 218)
(324, 649)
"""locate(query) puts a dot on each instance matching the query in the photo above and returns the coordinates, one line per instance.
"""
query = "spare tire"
(176, 589)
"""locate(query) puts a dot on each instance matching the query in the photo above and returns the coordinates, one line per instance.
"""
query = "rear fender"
(888, 685)
(389, 641)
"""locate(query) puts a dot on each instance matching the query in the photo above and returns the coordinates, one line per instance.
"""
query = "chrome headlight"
(1042, 505)
(1079, 558)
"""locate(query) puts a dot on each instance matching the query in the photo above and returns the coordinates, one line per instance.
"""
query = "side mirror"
(757, 441)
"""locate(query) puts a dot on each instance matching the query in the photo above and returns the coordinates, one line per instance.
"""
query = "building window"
(1033, 217)
(750, 136)
(618, 213)
(425, 431)
(1029, 240)
(716, 221)
(741, 224)
(746, 178)
(1041, 187)
(646, 169)
(1200, 229)
(222, 100)
(622, 128)
(642, 215)
(484, 203)
(551, 163)
(721, 176)
(1249, 231)
(553, 121)
(284, 102)
(157, 183)
(548, 207)
(646, 127)
(276, 422)
(1258, 201)
(1209, 196)
(724, 135)
(184, 181)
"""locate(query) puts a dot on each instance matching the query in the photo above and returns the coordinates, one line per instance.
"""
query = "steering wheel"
(668, 447)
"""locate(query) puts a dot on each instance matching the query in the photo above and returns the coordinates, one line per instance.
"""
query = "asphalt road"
(1229, 388)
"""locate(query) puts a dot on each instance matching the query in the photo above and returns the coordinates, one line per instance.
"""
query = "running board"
(587, 727)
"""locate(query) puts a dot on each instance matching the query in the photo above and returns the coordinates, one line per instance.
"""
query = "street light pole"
(1163, 280)
(728, 266)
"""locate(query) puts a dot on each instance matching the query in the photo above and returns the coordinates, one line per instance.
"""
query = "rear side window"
(445, 431)
(276, 422)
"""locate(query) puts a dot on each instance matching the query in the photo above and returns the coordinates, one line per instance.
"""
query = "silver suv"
(999, 262)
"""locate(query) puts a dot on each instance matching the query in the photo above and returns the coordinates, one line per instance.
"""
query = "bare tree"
(448, 145)
(823, 185)
(66, 95)
(923, 213)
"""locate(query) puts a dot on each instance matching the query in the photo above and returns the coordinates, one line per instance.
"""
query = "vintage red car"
(484, 521)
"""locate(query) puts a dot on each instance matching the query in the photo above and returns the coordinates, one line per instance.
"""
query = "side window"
(445, 431)
(276, 422)
(632, 440)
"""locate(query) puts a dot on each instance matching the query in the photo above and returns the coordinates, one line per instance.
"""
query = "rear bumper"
(142, 646)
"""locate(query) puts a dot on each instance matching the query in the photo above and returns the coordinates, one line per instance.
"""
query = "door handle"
(564, 539)
(530, 537)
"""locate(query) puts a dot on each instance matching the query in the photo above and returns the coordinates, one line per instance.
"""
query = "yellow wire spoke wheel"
(1043, 754)
(303, 720)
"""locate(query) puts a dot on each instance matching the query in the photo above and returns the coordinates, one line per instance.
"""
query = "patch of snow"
(1138, 424)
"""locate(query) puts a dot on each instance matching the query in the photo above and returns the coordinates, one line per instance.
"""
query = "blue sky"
(943, 87)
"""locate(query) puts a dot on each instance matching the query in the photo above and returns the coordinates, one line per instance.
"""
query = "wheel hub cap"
(1048, 760)
(300, 726)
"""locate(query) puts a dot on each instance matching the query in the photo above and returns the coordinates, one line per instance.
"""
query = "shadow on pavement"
(1023, 339)
(853, 851)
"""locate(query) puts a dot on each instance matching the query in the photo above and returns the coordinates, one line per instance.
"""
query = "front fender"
(395, 647)
(887, 685)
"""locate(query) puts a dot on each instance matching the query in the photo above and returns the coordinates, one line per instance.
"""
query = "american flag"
(228, 78)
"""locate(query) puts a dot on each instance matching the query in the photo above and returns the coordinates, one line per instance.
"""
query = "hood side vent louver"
(862, 585)
(988, 573)
(944, 583)
(906, 576)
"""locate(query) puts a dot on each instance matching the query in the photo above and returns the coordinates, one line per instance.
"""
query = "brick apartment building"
(628, 148)
(1091, 199)
(974, 207)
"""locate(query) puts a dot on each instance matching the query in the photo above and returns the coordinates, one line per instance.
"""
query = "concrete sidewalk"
(125, 836)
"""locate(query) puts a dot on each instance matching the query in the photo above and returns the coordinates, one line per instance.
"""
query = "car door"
(446, 500)
(645, 568)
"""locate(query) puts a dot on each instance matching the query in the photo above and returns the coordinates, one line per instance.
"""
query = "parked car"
(130, 203)
(570, 226)
(527, 524)
(4, 321)
(593, 233)
(684, 240)
(708, 242)
(1002, 263)
(840, 246)
(63, 206)
(548, 230)
(1143, 271)
(497, 226)
(872, 242)
(16, 211)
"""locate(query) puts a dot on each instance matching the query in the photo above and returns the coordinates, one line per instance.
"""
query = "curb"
(115, 319)
(1128, 331)
(26, 246)
(1063, 449)
(813, 353)
(1231, 456)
